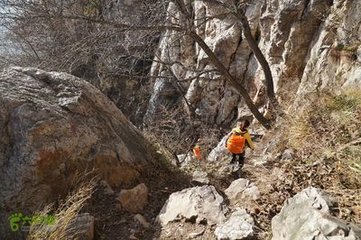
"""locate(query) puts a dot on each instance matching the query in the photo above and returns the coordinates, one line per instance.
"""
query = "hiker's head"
(245, 124)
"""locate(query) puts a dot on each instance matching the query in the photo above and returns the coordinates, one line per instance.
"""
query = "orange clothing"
(247, 136)
(197, 152)
(236, 143)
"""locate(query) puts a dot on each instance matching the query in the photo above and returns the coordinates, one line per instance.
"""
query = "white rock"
(238, 226)
(219, 151)
(184, 159)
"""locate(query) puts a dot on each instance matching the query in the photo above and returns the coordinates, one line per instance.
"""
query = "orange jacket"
(197, 152)
(247, 136)
(235, 143)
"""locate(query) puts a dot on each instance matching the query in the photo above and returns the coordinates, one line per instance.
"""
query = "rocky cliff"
(310, 45)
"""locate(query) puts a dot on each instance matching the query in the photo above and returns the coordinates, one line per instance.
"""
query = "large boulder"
(307, 216)
(55, 127)
(200, 204)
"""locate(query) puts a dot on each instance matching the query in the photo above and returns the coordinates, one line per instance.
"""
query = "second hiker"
(237, 141)
(197, 150)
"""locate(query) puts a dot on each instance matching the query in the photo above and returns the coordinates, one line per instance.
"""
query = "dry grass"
(300, 131)
(330, 129)
(64, 215)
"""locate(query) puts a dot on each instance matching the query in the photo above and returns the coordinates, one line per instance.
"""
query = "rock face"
(238, 226)
(53, 127)
(307, 216)
(310, 46)
(199, 204)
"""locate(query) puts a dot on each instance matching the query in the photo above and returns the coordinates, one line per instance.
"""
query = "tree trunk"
(260, 57)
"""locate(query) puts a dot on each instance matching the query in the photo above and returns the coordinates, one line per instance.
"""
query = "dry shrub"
(175, 132)
(64, 214)
(300, 131)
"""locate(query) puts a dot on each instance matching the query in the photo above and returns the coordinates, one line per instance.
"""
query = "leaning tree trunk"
(260, 57)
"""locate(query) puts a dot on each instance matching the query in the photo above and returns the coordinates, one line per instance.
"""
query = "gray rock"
(241, 189)
(306, 216)
(326, 67)
(198, 203)
(238, 226)
(223, 36)
(292, 35)
(185, 159)
(288, 154)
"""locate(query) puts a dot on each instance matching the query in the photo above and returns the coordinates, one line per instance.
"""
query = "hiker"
(237, 141)
(197, 150)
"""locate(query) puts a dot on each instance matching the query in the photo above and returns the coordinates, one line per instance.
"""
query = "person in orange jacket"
(237, 142)
(197, 151)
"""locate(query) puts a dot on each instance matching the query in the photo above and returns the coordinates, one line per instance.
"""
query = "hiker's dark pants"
(240, 158)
